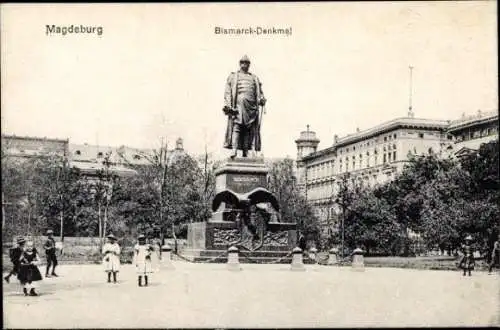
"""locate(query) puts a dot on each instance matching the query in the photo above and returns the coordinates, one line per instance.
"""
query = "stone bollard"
(233, 262)
(332, 256)
(358, 263)
(313, 255)
(166, 259)
(297, 262)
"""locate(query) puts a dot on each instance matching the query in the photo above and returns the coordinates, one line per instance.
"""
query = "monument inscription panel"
(242, 183)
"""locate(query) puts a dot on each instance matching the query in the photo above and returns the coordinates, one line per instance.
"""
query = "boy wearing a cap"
(50, 252)
(142, 259)
(111, 261)
(15, 255)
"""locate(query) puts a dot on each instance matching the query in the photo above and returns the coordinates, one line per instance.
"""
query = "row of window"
(375, 152)
(327, 190)
(477, 134)
(100, 154)
(368, 143)
(327, 169)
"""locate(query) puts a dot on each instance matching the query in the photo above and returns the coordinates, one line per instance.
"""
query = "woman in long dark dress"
(28, 270)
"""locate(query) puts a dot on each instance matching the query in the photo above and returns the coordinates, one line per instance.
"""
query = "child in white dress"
(142, 259)
(111, 260)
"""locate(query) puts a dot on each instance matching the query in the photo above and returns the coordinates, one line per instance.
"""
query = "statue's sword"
(262, 112)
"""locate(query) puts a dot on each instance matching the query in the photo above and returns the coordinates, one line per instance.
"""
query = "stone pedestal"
(219, 235)
(207, 241)
(240, 175)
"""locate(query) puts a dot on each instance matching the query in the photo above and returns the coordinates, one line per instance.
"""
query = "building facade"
(88, 159)
(122, 161)
(469, 132)
(25, 147)
(378, 154)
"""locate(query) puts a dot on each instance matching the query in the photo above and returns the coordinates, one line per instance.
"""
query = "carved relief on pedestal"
(225, 236)
(279, 238)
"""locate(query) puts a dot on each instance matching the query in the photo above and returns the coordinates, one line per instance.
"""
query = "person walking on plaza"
(28, 270)
(15, 254)
(50, 252)
(142, 259)
(156, 255)
(495, 255)
(111, 260)
(156, 242)
(467, 262)
(302, 242)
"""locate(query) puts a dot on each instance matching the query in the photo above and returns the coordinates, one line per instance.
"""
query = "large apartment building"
(376, 155)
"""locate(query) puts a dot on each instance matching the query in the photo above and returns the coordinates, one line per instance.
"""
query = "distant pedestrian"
(467, 262)
(302, 242)
(15, 254)
(495, 255)
(50, 253)
(156, 255)
(111, 260)
(28, 270)
(142, 259)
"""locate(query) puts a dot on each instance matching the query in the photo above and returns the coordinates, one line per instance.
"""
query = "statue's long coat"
(230, 96)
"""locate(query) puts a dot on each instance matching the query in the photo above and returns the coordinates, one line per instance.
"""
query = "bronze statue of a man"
(242, 98)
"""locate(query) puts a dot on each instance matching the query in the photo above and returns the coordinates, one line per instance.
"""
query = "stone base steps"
(249, 257)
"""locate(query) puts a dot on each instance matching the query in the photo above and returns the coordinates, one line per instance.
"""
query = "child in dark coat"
(15, 255)
(28, 270)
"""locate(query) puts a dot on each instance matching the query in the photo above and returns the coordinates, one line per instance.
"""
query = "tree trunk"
(3, 211)
(61, 217)
(99, 222)
(105, 221)
(175, 237)
(29, 220)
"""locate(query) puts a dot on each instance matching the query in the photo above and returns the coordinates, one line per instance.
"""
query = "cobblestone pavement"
(208, 295)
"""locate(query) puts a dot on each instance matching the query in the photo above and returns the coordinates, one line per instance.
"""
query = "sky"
(159, 70)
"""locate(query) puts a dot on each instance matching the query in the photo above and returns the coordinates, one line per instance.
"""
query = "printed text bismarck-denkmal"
(253, 30)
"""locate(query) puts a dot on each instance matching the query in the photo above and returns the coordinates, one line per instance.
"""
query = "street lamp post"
(342, 238)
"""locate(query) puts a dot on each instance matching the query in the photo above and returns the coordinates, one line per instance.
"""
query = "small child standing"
(467, 262)
(111, 259)
(142, 259)
(28, 270)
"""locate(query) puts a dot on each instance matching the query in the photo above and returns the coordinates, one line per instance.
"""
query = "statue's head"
(244, 63)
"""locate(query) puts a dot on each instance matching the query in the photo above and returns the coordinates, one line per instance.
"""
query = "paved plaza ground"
(208, 295)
